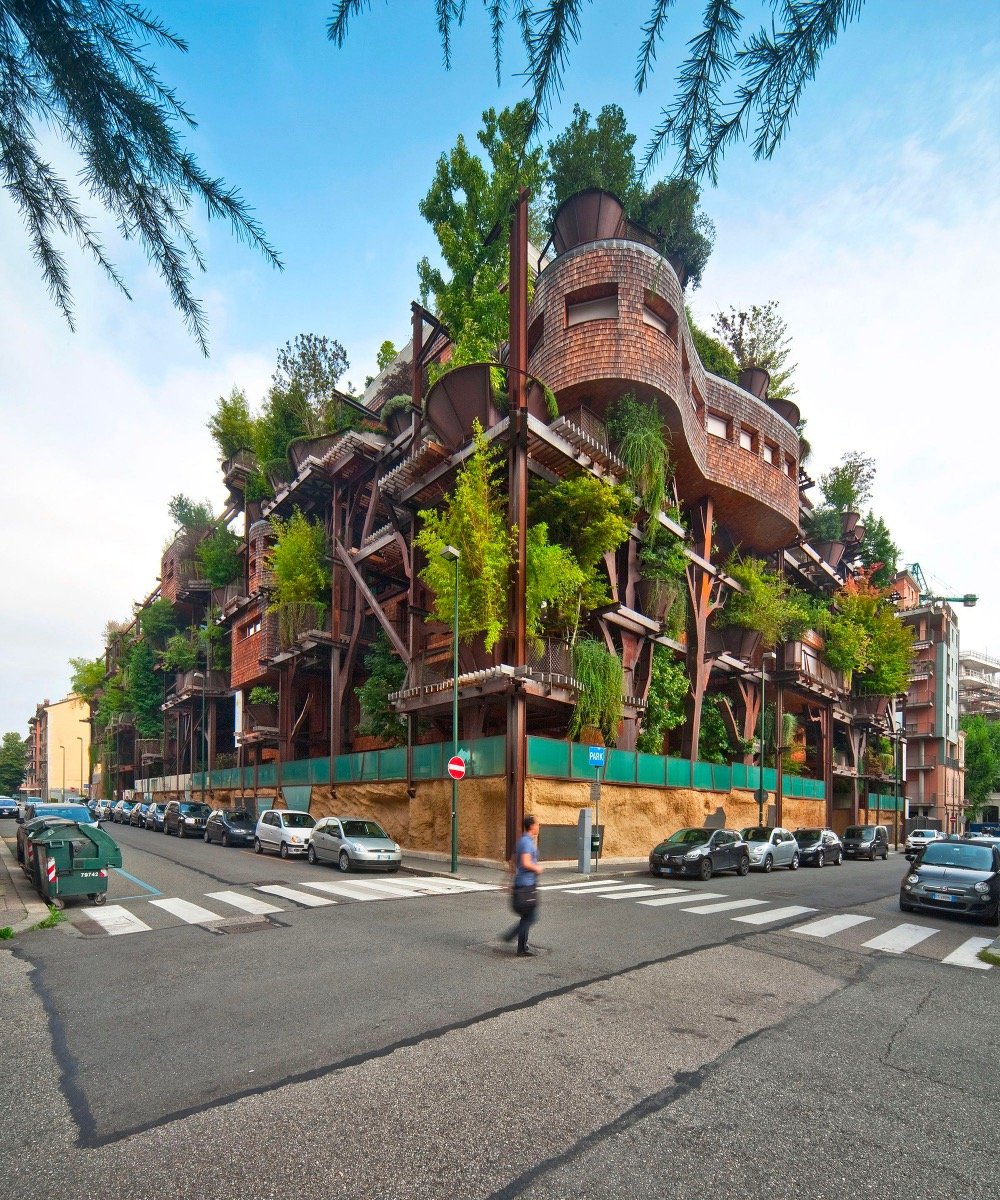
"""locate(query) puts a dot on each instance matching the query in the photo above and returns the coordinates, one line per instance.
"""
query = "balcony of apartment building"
(608, 317)
(195, 685)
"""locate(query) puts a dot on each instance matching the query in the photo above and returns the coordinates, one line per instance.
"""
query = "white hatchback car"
(917, 839)
(284, 831)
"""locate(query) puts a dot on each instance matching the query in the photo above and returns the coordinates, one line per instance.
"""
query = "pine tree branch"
(548, 33)
(497, 12)
(336, 29)
(653, 32)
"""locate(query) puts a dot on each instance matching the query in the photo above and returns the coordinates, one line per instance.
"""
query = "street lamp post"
(761, 790)
(63, 749)
(80, 740)
(451, 554)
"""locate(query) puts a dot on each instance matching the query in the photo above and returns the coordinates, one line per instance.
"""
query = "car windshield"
(71, 812)
(757, 833)
(237, 815)
(298, 820)
(958, 854)
(688, 837)
(195, 810)
(922, 833)
(806, 837)
(368, 829)
(859, 833)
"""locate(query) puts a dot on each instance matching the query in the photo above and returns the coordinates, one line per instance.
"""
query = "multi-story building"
(59, 753)
(35, 753)
(978, 684)
(934, 786)
(607, 319)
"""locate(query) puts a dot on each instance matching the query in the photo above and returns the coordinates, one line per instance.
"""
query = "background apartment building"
(58, 764)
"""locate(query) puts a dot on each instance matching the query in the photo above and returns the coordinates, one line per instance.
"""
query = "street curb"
(35, 908)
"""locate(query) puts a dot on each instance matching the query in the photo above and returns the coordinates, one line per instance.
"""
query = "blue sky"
(874, 227)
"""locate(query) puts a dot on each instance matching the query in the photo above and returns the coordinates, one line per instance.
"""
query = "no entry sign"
(456, 767)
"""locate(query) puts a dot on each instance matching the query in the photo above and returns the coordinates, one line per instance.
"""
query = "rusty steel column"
(413, 629)
(517, 515)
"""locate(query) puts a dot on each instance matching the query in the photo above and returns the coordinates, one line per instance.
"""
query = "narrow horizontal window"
(604, 308)
(716, 426)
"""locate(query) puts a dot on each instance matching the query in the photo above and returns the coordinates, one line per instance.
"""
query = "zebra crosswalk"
(260, 900)
(898, 939)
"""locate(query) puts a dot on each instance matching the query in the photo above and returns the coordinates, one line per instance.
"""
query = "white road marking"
(578, 886)
(115, 920)
(350, 890)
(193, 914)
(902, 937)
(965, 955)
(652, 892)
(633, 890)
(826, 926)
(287, 893)
(775, 914)
(725, 906)
(685, 898)
(250, 904)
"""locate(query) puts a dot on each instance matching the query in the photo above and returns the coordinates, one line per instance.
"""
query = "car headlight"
(693, 854)
(756, 852)
(189, 820)
(356, 847)
(296, 839)
(913, 879)
(983, 888)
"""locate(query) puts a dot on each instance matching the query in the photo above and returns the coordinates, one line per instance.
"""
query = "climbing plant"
(386, 674)
(600, 699)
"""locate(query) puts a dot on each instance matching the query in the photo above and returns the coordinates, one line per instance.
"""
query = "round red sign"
(456, 767)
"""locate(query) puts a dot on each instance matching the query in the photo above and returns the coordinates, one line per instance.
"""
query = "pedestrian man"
(524, 891)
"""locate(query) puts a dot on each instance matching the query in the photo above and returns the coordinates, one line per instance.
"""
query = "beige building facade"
(64, 749)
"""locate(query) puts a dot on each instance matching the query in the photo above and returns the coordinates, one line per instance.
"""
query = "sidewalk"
(20, 905)
(480, 871)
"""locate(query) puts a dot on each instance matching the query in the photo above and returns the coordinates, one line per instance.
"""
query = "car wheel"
(768, 863)
(257, 847)
(206, 837)
(704, 869)
(820, 860)
(885, 854)
(225, 840)
(283, 850)
(99, 898)
(311, 854)
(344, 862)
(794, 864)
(180, 829)
(744, 866)
(839, 860)
(871, 857)
(905, 907)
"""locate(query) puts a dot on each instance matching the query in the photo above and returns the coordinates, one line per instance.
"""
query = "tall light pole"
(63, 749)
(761, 790)
(80, 740)
(451, 554)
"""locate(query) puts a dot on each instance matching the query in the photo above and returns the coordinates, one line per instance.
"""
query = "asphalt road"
(398, 1049)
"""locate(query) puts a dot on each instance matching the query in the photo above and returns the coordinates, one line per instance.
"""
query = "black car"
(700, 852)
(957, 875)
(154, 816)
(866, 841)
(138, 814)
(8, 806)
(185, 818)
(817, 847)
(231, 827)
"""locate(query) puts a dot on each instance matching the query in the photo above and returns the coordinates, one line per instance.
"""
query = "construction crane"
(927, 597)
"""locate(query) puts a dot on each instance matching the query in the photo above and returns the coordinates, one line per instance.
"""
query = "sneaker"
(527, 952)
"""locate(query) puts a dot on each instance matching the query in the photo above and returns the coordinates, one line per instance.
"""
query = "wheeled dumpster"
(73, 860)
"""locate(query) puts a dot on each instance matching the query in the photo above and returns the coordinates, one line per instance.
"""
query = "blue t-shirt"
(526, 844)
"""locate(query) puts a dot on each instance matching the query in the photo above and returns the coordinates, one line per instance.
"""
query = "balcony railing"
(190, 577)
(149, 749)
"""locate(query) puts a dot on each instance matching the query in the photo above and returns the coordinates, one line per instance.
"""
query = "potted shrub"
(262, 707)
(600, 699)
(397, 414)
(768, 606)
(662, 563)
(298, 559)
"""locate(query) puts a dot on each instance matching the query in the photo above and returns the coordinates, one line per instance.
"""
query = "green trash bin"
(73, 860)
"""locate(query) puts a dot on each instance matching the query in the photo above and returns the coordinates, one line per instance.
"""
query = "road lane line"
(606, 888)
(193, 914)
(138, 882)
(115, 920)
(686, 898)
(725, 906)
(902, 937)
(652, 892)
(576, 885)
(350, 890)
(287, 893)
(775, 914)
(250, 904)
(826, 926)
(965, 955)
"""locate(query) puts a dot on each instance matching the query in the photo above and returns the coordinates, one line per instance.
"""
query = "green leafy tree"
(734, 85)
(768, 604)
(180, 653)
(86, 677)
(600, 699)
(554, 586)
(311, 365)
(665, 702)
(670, 211)
(714, 743)
(79, 69)
(231, 425)
(189, 515)
(13, 761)
(758, 337)
(849, 484)
(299, 561)
(593, 156)
(866, 640)
(219, 556)
(386, 674)
(638, 430)
(473, 520)
(715, 357)
(982, 759)
(157, 621)
(878, 551)
(387, 353)
(143, 690)
(468, 206)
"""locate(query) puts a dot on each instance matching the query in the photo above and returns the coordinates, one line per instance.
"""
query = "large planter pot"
(788, 410)
(311, 447)
(679, 267)
(262, 716)
(400, 420)
(756, 381)
(459, 397)
(832, 552)
(874, 707)
(588, 216)
(740, 643)
(848, 521)
(473, 656)
(295, 619)
(657, 597)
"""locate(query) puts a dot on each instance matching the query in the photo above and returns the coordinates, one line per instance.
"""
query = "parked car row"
(705, 852)
(352, 843)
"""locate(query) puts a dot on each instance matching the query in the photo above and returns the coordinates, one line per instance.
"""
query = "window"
(597, 303)
(250, 629)
(769, 453)
(789, 466)
(659, 315)
(536, 333)
(746, 440)
(717, 426)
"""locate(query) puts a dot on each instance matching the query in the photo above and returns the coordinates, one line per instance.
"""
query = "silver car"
(771, 846)
(354, 843)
